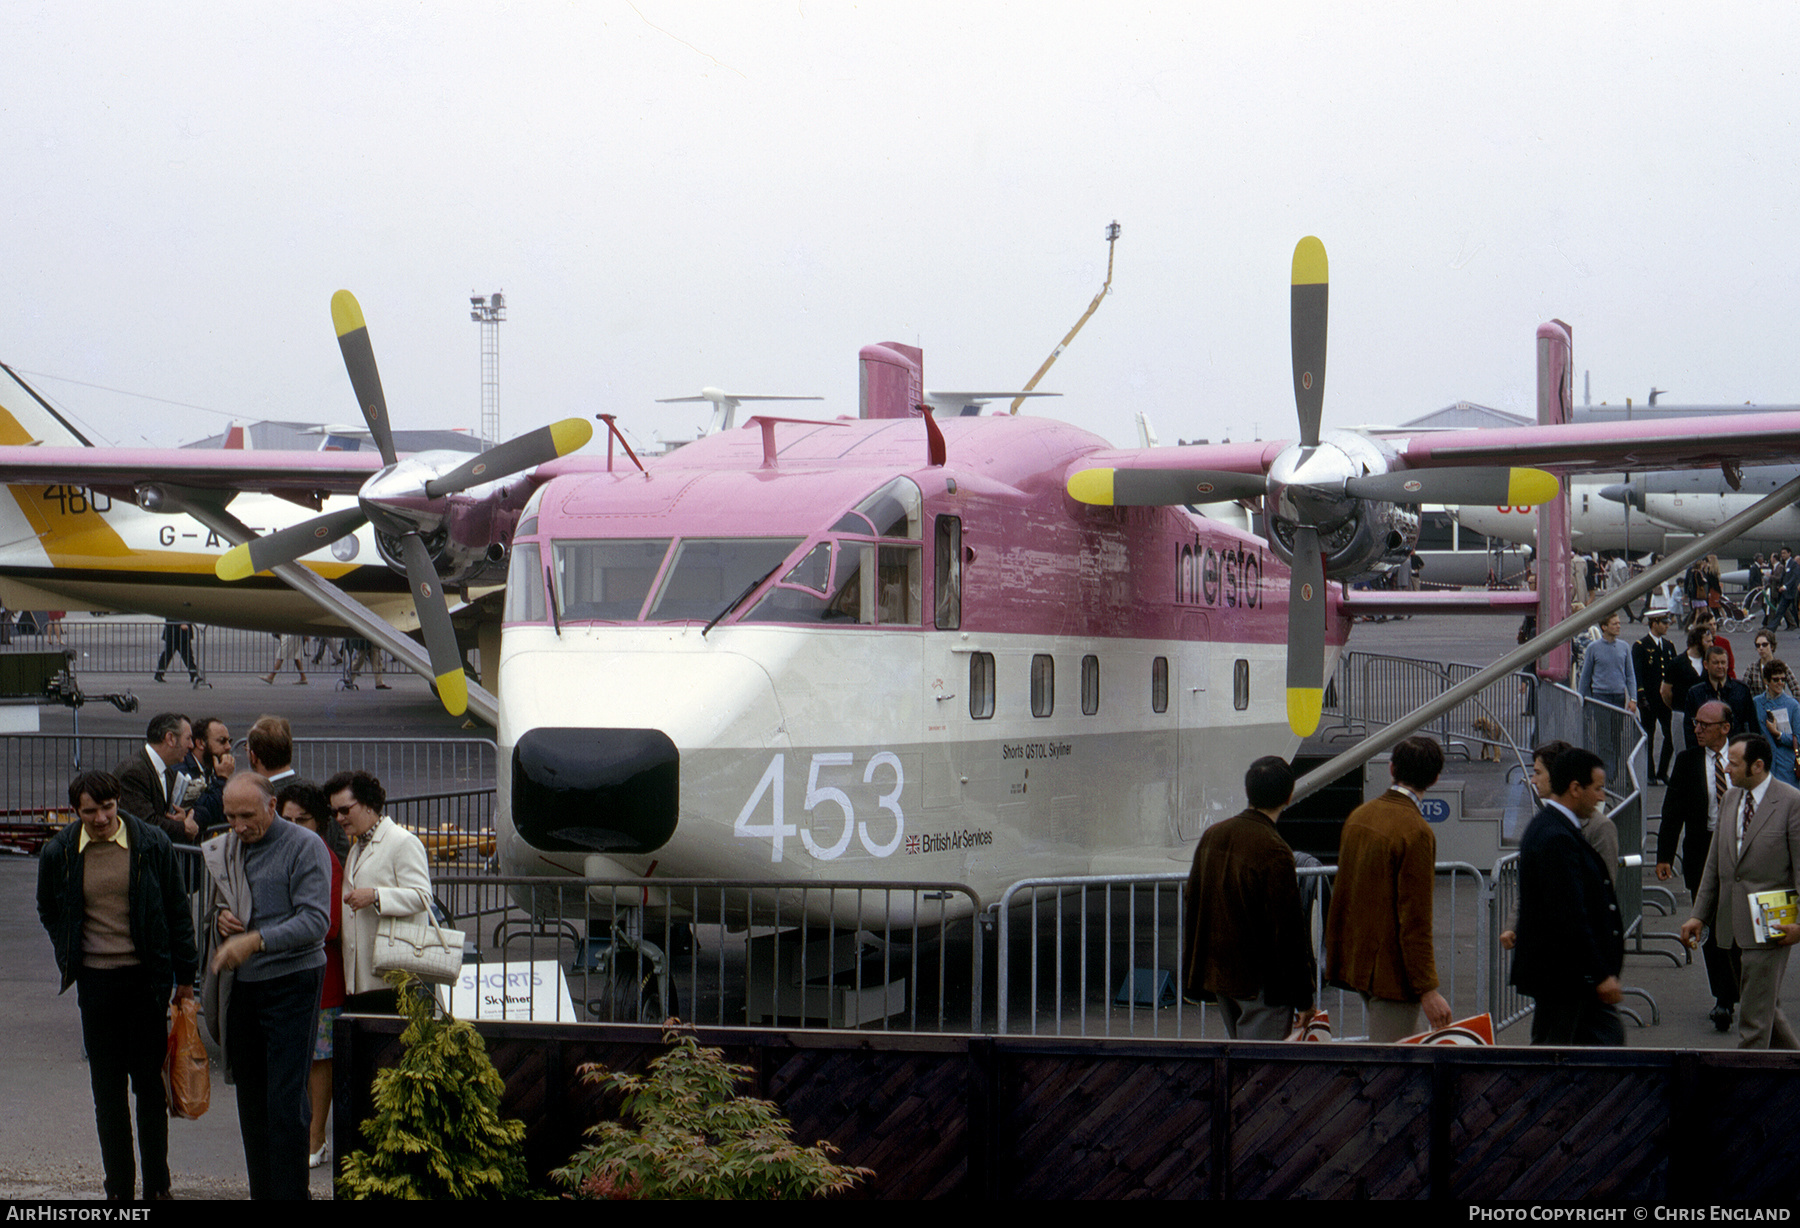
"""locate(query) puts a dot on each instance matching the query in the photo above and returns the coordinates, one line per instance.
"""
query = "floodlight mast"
(1112, 238)
(489, 312)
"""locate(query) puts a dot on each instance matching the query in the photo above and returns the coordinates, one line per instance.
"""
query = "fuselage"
(945, 673)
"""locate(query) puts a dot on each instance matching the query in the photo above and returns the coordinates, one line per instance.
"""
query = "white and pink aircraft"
(886, 648)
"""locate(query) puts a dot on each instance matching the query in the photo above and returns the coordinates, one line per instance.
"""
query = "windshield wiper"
(739, 599)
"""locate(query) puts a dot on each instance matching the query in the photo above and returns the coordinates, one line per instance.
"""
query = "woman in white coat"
(386, 875)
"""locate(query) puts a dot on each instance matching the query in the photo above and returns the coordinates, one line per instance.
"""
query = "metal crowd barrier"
(1370, 690)
(1088, 974)
(758, 954)
(447, 782)
(117, 645)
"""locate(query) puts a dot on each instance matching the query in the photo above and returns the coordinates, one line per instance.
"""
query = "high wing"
(1333, 500)
(122, 471)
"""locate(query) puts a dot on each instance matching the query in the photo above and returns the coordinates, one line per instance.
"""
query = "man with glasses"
(1755, 849)
(1700, 778)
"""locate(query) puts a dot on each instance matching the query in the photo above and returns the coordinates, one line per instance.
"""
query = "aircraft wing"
(1598, 447)
(285, 473)
(1669, 443)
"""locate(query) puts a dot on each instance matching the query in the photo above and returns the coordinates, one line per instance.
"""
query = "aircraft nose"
(1623, 492)
(595, 790)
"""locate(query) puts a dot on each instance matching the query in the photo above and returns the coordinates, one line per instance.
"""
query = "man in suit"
(210, 760)
(1652, 658)
(146, 778)
(1248, 947)
(1699, 782)
(1378, 934)
(1571, 938)
(1720, 685)
(1756, 848)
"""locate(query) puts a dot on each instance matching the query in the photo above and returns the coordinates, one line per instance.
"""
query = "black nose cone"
(595, 790)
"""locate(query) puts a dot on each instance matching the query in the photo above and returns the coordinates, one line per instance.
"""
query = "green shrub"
(694, 1137)
(437, 1131)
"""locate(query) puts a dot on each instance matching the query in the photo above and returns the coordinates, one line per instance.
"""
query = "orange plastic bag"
(187, 1076)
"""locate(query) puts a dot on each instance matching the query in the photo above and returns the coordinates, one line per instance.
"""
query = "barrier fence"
(1370, 690)
(448, 783)
(117, 645)
(1087, 975)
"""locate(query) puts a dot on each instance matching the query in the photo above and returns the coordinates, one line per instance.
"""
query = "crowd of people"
(1731, 815)
(298, 877)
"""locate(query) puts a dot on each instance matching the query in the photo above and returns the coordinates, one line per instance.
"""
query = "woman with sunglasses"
(1779, 713)
(386, 875)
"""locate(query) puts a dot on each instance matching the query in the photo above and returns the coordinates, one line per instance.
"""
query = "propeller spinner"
(405, 500)
(1324, 496)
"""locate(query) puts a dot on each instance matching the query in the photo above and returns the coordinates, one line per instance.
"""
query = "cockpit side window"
(947, 582)
(525, 586)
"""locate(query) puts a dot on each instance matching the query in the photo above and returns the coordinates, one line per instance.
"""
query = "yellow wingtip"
(1531, 487)
(453, 690)
(346, 313)
(234, 564)
(570, 434)
(1304, 707)
(1092, 486)
(1310, 268)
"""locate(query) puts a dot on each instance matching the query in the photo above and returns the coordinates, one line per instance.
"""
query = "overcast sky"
(743, 194)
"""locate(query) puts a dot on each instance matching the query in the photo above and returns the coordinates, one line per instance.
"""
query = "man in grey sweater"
(279, 957)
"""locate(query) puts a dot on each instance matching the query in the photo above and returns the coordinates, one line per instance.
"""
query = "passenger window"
(1090, 685)
(1159, 685)
(981, 685)
(1043, 684)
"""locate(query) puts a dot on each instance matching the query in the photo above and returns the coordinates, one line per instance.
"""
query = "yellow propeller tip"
(1310, 268)
(346, 313)
(1304, 707)
(1531, 487)
(1092, 486)
(570, 434)
(453, 691)
(234, 564)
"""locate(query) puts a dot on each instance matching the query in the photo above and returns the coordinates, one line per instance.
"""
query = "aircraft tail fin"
(26, 418)
(237, 438)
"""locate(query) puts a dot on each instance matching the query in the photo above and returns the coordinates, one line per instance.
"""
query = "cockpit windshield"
(865, 571)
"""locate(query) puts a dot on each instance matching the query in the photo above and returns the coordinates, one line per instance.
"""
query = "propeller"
(391, 501)
(1314, 490)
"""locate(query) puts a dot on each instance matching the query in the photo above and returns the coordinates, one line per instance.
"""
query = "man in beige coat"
(1755, 848)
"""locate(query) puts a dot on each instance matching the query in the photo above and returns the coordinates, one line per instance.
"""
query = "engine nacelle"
(468, 533)
(1359, 536)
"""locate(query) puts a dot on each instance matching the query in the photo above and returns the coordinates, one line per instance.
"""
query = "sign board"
(534, 991)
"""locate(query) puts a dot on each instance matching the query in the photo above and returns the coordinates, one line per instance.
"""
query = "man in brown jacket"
(1378, 933)
(1248, 946)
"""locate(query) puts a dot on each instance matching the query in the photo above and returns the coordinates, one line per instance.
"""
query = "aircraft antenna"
(489, 312)
(1112, 238)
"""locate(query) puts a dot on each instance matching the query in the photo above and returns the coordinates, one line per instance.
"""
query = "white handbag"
(430, 952)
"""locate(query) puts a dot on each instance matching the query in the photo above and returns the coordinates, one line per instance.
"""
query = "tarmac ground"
(47, 1141)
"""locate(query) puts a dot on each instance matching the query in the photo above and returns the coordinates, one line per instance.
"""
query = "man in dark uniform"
(1653, 657)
